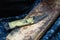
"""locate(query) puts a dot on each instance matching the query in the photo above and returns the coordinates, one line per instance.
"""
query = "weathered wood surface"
(35, 31)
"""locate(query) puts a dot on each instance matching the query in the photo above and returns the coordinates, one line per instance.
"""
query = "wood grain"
(36, 31)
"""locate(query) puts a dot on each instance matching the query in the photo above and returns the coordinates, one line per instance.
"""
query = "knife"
(25, 21)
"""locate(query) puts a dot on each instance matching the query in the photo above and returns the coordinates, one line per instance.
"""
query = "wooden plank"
(35, 31)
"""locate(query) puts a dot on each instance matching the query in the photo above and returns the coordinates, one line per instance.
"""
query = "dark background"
(14, 7)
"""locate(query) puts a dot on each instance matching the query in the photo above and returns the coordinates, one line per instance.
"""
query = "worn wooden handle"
(35, 31)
